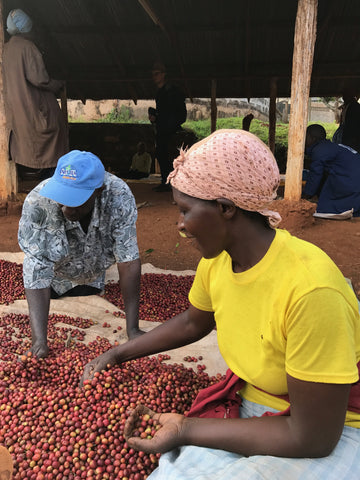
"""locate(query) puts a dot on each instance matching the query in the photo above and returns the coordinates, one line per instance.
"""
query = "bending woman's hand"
(167, 436)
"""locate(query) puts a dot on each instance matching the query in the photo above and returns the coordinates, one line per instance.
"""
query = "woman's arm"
(183, 329)
(312, 429)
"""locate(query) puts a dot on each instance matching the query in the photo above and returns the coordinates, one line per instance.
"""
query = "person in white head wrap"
(287, 325)
(18, 22)
(38, 131)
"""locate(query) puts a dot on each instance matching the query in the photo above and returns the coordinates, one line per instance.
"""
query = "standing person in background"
(168, 117)
(38, 132)
(348, 132)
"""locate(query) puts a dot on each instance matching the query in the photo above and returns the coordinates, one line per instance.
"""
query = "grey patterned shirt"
(57, 251)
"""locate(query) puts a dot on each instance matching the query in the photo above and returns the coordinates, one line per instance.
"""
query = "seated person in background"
(141, 163)
(334, 174)
(287, 325)
(73, 227)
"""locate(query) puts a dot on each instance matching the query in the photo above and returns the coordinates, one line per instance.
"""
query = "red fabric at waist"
(222, 401)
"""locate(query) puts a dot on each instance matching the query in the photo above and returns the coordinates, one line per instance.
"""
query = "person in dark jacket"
(348, 132)
(334, 175)
(168, 117)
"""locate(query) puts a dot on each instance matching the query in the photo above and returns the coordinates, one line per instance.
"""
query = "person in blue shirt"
(334, 174)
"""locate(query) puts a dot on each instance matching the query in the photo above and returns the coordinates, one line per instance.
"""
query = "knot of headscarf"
(231, 164)
(18, 22)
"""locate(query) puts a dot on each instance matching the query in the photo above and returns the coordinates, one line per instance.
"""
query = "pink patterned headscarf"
(231, 164)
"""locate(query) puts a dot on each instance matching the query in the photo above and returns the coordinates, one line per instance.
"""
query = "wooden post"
(272, 114)
(285, 117)
(304, 44)
(213, 106)
(309, 110)
(8, 179)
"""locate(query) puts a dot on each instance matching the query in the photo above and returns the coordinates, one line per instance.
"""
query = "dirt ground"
(161, 245)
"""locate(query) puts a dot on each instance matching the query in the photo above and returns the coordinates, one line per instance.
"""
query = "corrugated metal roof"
(105, 48)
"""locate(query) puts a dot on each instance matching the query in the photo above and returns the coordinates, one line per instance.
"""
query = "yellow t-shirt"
(293, 312)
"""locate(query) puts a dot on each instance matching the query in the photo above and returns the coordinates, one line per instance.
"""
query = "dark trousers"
(167, 149)
(135, 174)
(163, 156)
(78, 291)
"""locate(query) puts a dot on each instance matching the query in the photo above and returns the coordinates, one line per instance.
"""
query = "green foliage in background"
(202, 128)
(259, 128)
(118, 115)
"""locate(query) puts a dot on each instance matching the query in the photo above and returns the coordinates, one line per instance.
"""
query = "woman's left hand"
(167, 435)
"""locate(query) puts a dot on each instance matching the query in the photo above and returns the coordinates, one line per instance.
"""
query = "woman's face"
(201, 220)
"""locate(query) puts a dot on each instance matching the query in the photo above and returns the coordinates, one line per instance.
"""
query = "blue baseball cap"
(77, 175)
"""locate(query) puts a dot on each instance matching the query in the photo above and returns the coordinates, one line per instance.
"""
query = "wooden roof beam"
(115, 55)
(146, 5)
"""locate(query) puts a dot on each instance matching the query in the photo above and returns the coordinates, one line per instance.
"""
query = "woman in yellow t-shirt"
(287, 324)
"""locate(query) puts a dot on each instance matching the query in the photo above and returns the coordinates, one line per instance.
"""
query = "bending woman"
(287, 325)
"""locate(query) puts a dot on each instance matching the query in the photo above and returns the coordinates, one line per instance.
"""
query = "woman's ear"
(227, 207)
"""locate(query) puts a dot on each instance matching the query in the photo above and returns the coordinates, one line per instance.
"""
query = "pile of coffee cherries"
(56, 429)
(11, 282)
(162, 296)
(145, 427)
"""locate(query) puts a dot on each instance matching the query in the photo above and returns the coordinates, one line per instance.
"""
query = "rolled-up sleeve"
(125, 246)
(123, 231)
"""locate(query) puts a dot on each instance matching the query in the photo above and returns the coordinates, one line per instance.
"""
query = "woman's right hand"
(100, 363)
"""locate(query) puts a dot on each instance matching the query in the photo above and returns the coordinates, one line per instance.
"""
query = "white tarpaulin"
(101, 311)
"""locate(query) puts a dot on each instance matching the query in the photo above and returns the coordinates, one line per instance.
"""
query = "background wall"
(199, 109)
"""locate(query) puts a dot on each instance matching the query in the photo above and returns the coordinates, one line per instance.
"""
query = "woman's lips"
(185, 235)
